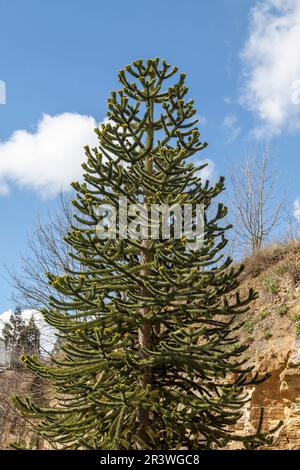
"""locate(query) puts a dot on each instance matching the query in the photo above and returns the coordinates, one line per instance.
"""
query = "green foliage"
(20, 338)
(294, 317)
(297, 329)
(150, 345)
(249, 339)
(249, 326)
(270, 284)
(282, 310)
(264, 314)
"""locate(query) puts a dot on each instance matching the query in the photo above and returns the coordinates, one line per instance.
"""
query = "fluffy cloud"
(232, 127)
(296, 209)
(209, 172)
(272, 66)
(49, 158)
(48, 337)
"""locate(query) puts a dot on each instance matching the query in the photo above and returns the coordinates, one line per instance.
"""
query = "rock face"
(272, 331)
(279, 396)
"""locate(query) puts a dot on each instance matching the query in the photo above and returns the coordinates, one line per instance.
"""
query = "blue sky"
(59, 60)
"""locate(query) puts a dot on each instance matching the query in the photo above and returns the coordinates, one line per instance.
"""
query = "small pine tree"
(20, 338)
(30, 338)
(151, 357)
(11, 334)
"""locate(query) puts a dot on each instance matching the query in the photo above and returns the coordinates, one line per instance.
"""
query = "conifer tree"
(20, 338)
(151, 358)
(11, 334)
(30, 338)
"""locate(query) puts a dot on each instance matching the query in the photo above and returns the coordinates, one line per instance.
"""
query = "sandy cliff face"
(273, 333)
(279, 396)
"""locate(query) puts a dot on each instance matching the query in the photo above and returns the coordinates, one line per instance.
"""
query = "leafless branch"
(47, 252)
(253, 203)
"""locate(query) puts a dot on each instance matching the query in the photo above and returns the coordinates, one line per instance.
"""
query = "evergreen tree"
(12, 328)
(151, 357)
(11, 334)
(20, 338)
(30, 338)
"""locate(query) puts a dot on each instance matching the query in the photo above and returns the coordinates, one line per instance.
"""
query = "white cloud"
(209, 172)
(48, 337)
(232, 127)
(271, 62)
(49, 158)
(296, 209)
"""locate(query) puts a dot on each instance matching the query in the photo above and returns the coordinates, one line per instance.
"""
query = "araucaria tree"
(151, 358)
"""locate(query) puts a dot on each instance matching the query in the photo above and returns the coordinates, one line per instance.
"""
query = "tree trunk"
(145, 331)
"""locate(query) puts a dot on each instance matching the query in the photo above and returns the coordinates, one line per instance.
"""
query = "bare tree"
(252, 201)
(47, 252)
(292, 220)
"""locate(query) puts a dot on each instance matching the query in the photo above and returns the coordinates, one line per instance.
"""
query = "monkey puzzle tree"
(151, 354)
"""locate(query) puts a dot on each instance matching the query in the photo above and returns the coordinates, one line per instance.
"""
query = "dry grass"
(274, 318)
(270, 256)
(13, 426)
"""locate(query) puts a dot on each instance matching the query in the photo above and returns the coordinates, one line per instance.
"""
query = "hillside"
(272, 330)
(12, 426)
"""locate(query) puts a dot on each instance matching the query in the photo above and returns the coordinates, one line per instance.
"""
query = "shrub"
(264, 314)
(249, 326)
(270, 284)
(282, 310)
(295, 317)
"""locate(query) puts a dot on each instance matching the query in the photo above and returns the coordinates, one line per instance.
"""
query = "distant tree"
(30, 338)
(11, 334)
(20, 338)
(253, 204)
